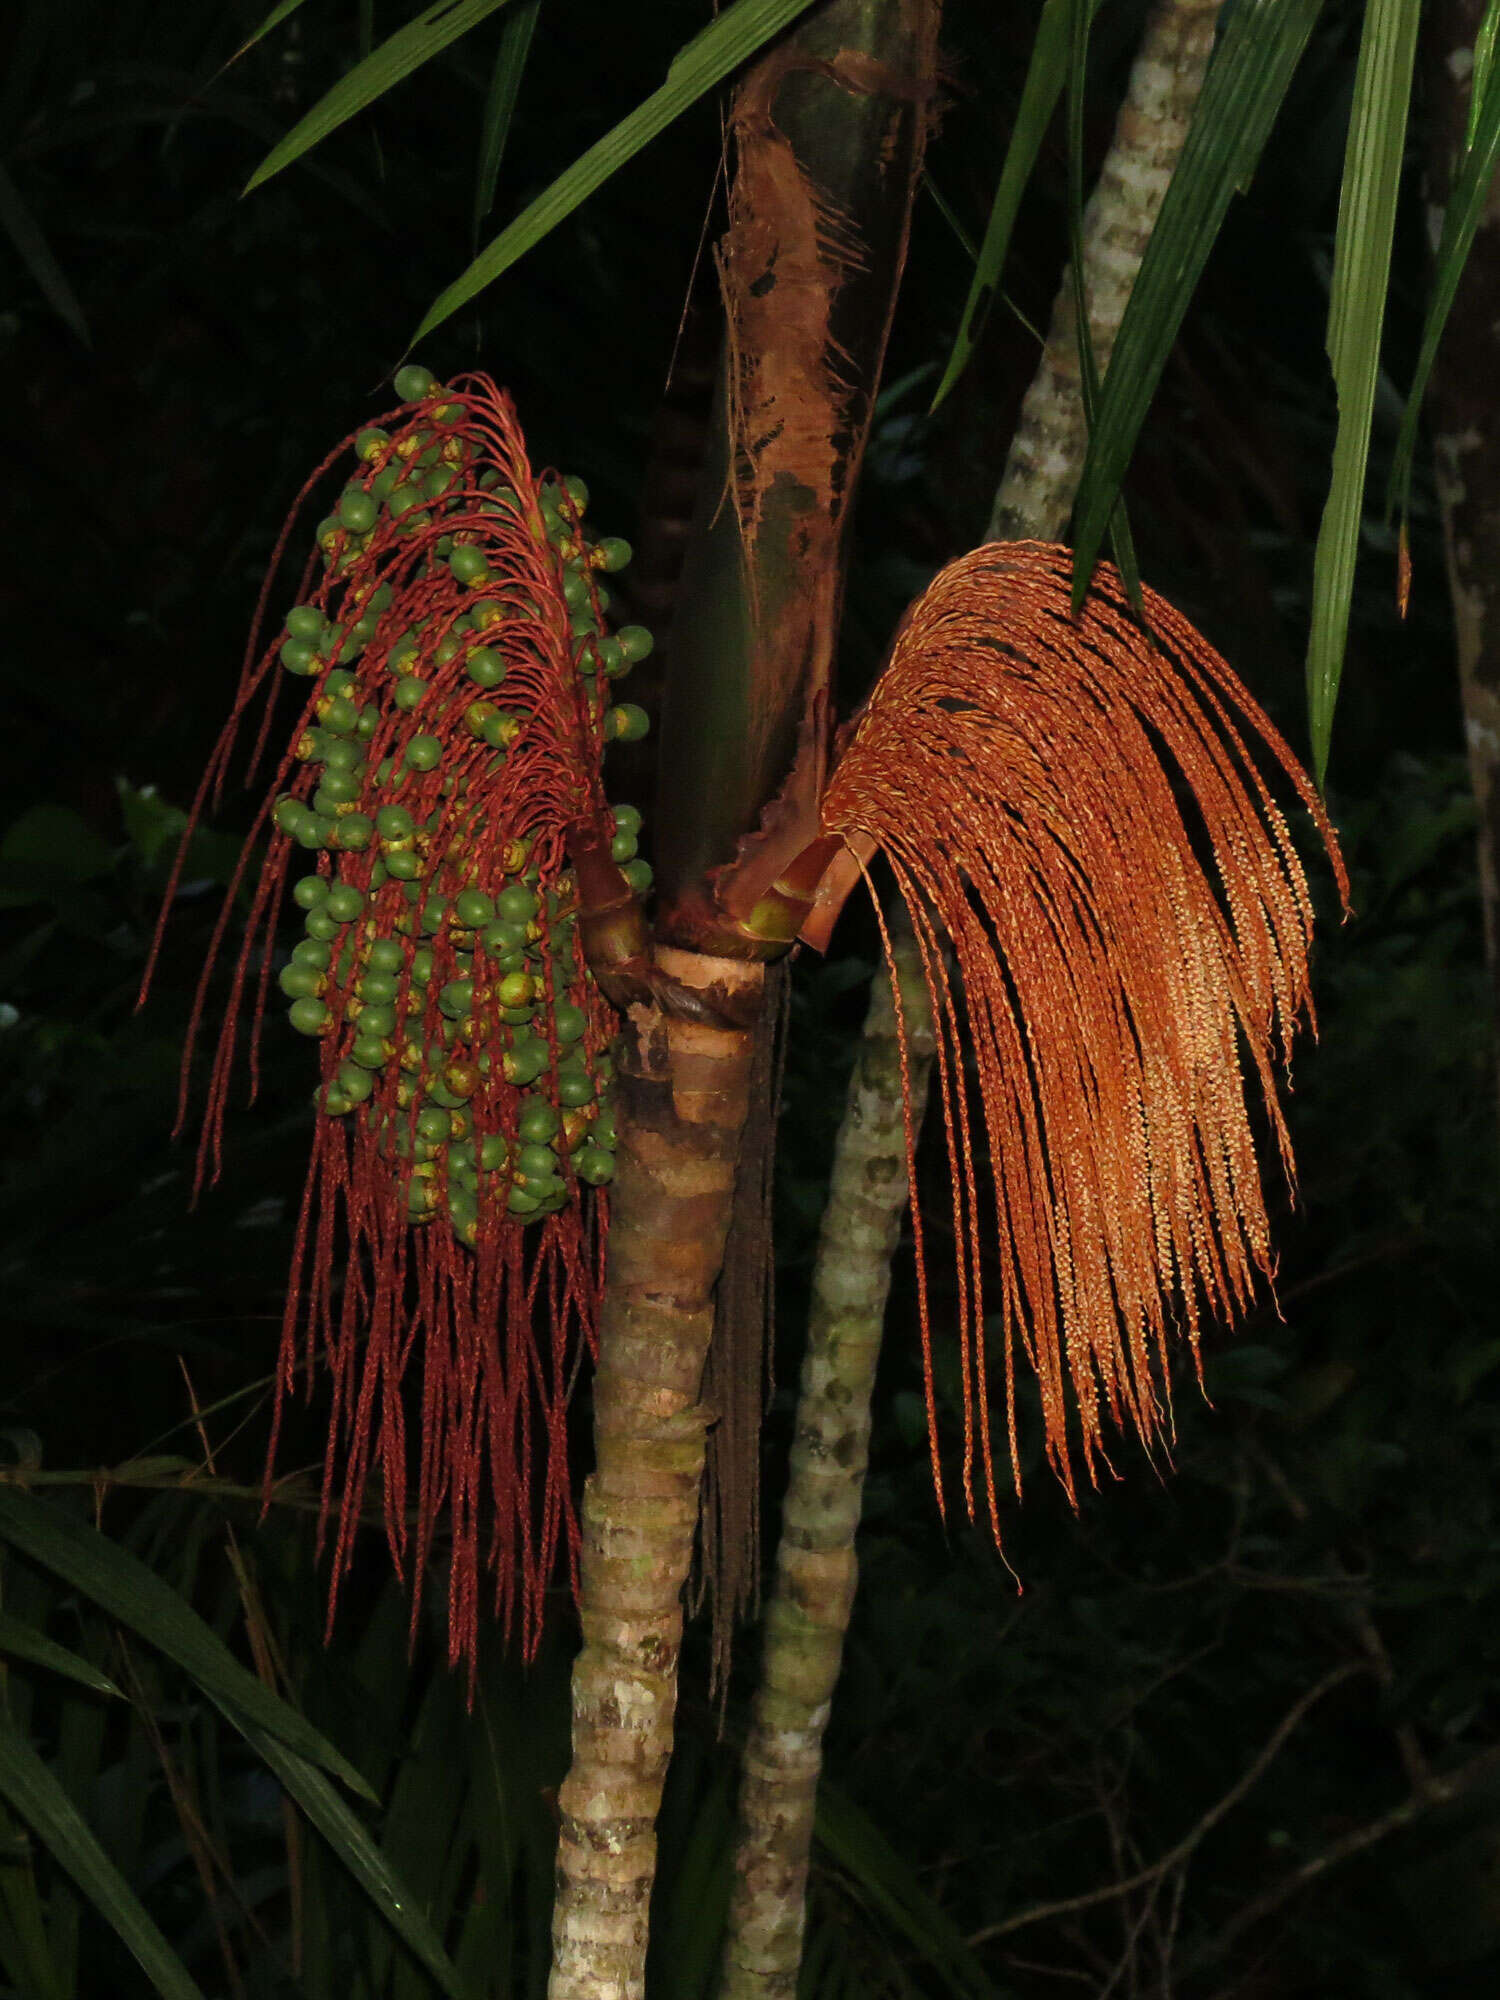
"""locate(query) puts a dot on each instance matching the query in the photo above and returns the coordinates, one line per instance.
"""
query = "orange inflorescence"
(451, 637)
(1073, 806)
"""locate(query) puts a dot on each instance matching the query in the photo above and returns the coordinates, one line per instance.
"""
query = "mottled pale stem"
(815, 1563)
(682, 1105)
(1046, 455)
(808, 1610)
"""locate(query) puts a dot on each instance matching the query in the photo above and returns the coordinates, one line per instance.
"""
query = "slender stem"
(815, 1563)
(1041, 476)
(813, 1592)
(681, 1108)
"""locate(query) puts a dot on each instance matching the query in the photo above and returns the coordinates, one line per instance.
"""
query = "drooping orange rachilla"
(1072, 808)
(452, 628)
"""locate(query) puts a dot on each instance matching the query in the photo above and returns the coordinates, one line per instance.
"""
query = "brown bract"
(1073, 806)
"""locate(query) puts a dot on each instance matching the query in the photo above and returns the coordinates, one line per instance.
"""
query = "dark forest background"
(1332, 1502)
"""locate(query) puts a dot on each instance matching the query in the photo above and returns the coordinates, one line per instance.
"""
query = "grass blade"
(1467, 201)
(352, 1844)
(34, 251)
(32, 1791)
(23, 1642)
(418, 42)
(1045, 76)
(500, 103)
(129, 1591)
(730, 39)
(1247, 78)
(1356, 317)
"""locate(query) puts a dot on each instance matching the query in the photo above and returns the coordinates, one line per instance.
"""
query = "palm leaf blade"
(729, 40)
(129, 1591)
(1356, 317)
(36, 1795)
(1242, 92)
(428, 35)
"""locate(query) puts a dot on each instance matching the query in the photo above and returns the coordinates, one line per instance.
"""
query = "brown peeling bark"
(828, 133)
(1466, 451)
(682, 1104)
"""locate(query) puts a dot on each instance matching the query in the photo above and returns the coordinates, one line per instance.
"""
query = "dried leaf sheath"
(1075, 806)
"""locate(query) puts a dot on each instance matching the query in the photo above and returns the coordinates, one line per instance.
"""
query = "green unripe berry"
(298, 657)
(434, 914)
(378, 989)
(313, 952)
(627, 820)
(538, 1123)
(299, 982)
(371, 442)
(502, 938)
(386, 955)
(394, 823)
(516, 904)
(354, 832)
(413, 383)
(308, 1015)
(456, 998)
(341, 716)
(622, 847)
(493, 1152)
(423, 753)
(357, 510)
(574, 1087)
(379, 1021)
(403, 865)
(577, 491)
(515, 990)
(485, 667)
(613, 553)
(611, 657)
(638, 875)
(355, 1082)
(468, 564)
(626, 724)
(434, 1124)
(421, 965)
(306, 622)
(370, 1051)
(310, 891)
(344, 902)
(569, 1023)
(343, 754)
(409, 691)
(319, 924)
(525, 1062)
(594, 1165)
(339, 788)
(473, 908)
(636, 643)
(520, 1202)
(535, 1163)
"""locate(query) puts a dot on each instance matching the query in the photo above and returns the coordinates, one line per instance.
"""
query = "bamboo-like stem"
(812, 1595)
(682, 1104)
(814, 1584)
(1041, 477)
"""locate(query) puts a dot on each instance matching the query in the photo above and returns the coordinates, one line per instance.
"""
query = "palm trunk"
(812, 1596)
(829, 129)
(810, 1602)
(1041, 476)
(682, 1103)
(1466, 453)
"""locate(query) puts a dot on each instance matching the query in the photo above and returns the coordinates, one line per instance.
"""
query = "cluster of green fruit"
(441, 965)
